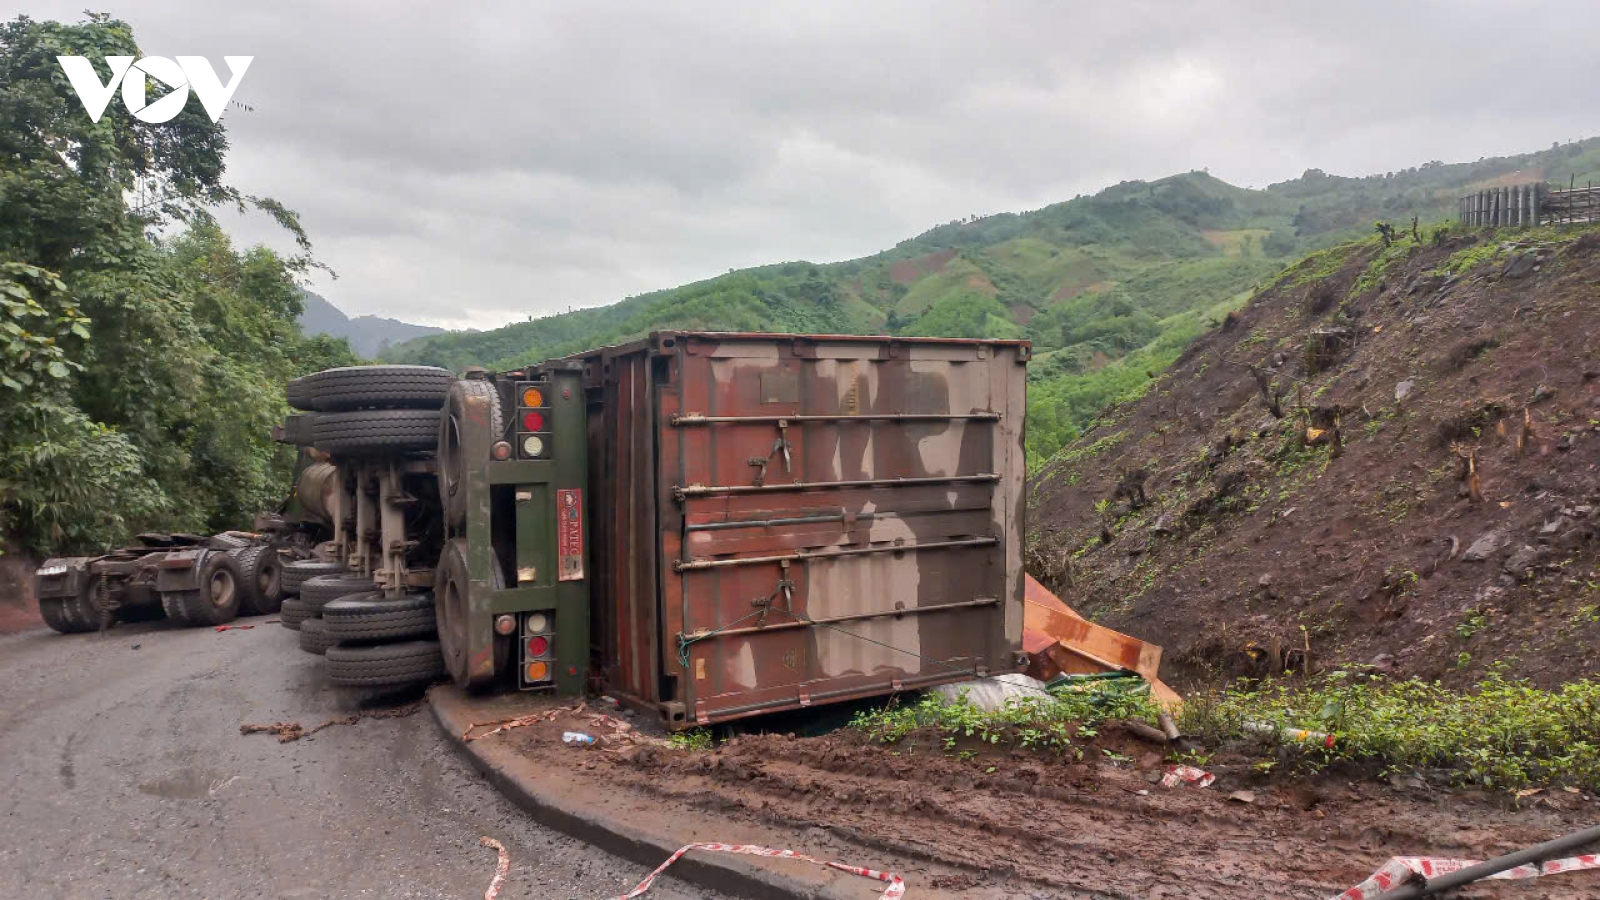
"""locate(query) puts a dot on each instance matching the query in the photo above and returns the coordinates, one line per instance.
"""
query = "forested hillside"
(139, 373)
(1110, 288)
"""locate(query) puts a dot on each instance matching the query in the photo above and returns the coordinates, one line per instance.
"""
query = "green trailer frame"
(526, 495)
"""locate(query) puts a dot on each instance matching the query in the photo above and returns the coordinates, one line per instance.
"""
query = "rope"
(687, 641)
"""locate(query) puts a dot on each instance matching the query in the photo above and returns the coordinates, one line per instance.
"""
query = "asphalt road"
(125, 776)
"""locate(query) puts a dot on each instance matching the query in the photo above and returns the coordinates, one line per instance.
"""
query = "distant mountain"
(369, 336)
(1110, 288)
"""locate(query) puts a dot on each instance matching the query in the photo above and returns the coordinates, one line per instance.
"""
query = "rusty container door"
(626, 604)
(837, 517)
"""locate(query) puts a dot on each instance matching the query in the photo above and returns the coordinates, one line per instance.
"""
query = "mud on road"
(1034, 825)
(125, 776)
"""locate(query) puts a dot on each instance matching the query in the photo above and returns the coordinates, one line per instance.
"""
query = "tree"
(141, 373)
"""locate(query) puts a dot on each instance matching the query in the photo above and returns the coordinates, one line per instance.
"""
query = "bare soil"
(1259, 552)
(19, 611)
(1042, 826)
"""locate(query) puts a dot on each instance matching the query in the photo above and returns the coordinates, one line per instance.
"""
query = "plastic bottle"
(577, 737)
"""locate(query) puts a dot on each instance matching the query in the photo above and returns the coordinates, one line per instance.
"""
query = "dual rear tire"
(218, 598)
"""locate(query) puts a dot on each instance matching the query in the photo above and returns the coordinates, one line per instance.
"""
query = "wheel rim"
(222, 588)
(267, 580)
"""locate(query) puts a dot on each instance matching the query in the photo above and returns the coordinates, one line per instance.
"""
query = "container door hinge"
(784, 588)
(781, 445)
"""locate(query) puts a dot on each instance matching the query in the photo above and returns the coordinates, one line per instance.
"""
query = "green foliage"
(1502, 734)
(70, 482)
(1045, 721)
(38, 325)
(967, 316)
(1471, 257)
(1382, 262)
(140, 374)
(693, 740)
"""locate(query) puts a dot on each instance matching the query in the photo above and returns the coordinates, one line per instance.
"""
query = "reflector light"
(533, 421)
(500, 451)
(505, 625)
(538, 623)
(532, 445)
(538, 646)
(532, 397)
(538, 671)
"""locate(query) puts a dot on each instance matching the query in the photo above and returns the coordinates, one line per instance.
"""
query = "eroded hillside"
(1425, 499)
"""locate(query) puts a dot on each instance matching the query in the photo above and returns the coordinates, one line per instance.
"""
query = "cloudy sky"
(473, 167)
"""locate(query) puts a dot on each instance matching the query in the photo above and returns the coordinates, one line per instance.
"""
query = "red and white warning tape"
(1400, 869)
(502, 867)
(895, 890)
(1178, 774)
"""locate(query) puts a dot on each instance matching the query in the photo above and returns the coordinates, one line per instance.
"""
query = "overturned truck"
(706, 525)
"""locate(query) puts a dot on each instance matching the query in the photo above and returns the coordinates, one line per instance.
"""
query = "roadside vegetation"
(1502, 734)
(142, 354)
(1061, 721)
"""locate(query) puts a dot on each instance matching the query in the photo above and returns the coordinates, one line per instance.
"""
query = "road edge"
(518, 781)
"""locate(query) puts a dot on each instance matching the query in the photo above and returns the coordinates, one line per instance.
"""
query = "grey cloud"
(483, 164)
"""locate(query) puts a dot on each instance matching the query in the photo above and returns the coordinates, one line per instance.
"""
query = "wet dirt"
(1039, 825)
(1257, 553)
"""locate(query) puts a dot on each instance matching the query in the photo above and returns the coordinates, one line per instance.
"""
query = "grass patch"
(1502, 734)
(695, 739)
(1471, 257)
(1061, 721)
(1323, 263)
(1379, 266)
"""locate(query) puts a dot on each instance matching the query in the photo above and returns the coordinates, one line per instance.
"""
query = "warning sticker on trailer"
(569, 534)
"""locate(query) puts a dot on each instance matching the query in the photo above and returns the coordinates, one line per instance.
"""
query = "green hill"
(1109, 287)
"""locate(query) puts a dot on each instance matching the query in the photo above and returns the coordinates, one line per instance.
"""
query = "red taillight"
(538, 646)
(533, 420)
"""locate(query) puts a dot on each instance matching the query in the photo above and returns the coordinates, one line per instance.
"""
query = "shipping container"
(780, 521)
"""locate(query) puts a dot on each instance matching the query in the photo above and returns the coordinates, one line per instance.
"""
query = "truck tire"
(452, 460)
(54, 611)
(298, 393)
(314, 636)
(296, 573)
(294, 613)
(262, 579)
(377, 432)
(174, 609)
(297, 429)
(317, 592)
(379, 387)
(369, 618)
(385, 665)
(450, 593)
(220, 596)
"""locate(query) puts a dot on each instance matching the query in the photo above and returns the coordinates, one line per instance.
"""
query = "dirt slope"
(1254, 544)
